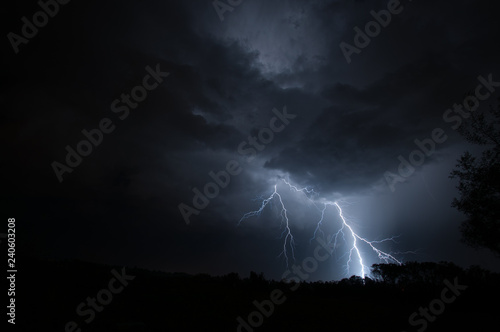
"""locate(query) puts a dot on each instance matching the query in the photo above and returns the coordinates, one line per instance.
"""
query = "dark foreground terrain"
(73, 295)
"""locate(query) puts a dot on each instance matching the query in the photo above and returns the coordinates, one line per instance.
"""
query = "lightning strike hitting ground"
(355, 255)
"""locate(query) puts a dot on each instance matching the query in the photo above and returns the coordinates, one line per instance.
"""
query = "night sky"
(204, 87)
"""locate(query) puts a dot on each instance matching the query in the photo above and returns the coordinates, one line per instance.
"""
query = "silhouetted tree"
(356, 281)
(257, 278)
(368, 281)
(388, 273)
(412, 273)
(479, 181)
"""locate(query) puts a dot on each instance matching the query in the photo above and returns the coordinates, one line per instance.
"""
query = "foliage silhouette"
(479, 181)
(160, 301)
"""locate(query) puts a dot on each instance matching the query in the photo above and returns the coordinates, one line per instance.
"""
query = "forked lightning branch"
(345, 232)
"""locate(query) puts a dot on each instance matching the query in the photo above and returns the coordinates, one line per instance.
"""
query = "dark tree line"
(429, 274)
(160, 301)
(479, 181)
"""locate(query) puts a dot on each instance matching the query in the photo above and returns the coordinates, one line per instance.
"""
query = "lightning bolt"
(289, 239)
(354, 252)
(386, 257)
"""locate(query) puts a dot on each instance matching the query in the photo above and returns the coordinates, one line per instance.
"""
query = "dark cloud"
(352, 122)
